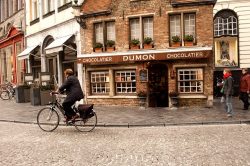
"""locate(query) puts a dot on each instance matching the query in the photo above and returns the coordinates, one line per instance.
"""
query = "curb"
(131, 125)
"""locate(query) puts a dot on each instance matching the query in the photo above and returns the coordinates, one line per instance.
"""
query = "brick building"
(143, 35)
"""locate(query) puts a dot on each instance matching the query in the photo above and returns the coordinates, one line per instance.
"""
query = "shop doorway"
(158, 85)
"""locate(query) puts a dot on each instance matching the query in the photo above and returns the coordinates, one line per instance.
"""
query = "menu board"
(143, 74)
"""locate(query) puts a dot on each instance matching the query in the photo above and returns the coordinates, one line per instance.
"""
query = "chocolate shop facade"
(122, 75)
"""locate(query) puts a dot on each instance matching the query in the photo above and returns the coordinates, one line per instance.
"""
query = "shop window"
(190, 80)
(141, 28)
(226, 39)
(100, 82)
(177, 26)
(104, 31)
(125, 81)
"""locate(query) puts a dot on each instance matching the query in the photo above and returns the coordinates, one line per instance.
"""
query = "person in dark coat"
(245, 88)
(74, 93)
(228, 91)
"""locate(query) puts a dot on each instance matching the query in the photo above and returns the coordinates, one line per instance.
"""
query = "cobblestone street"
(222, 145)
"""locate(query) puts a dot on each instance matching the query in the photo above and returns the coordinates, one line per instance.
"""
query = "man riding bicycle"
(74, 93)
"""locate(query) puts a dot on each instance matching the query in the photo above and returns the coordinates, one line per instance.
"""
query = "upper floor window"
(1, 11)
(104, 31)
(10, 8)
(34, 10)
(226, 39)
(48, 6)
(182, 29)
(225, 26)
(63, 2)
(19, 4)
(141, 28)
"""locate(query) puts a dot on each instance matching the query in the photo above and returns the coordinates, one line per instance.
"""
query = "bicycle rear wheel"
(88, 124)
(5, 95)
(47, 119)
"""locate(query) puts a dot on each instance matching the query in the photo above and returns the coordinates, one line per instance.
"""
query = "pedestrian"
(245, 87)
(227, 91)
(74, 93)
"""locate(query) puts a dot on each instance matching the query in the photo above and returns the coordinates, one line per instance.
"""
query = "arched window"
(226, 39)
(225, 23)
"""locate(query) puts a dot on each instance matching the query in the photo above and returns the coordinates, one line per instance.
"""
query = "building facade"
(52, 40)
(12, 27)
(144, 58)
(231, 37)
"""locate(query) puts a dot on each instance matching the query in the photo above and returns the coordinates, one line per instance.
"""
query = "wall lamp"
(77, 13)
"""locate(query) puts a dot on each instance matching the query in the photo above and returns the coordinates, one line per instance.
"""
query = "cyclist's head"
(68, 72)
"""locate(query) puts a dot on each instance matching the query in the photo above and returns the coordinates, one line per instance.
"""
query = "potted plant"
(176, 41)
(110, 45)
(174, 98)
(188, 40)
(98, 47)
(23, 93)
(45, 93)
(147, 42)
(135, 44)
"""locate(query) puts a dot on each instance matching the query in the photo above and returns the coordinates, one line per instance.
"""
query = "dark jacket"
(72, 88)
(228, 86)
(245, 83)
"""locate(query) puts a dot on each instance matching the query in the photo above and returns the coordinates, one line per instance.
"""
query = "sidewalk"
(136, 116)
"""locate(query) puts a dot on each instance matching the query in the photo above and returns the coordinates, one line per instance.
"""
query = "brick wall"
(122, 10)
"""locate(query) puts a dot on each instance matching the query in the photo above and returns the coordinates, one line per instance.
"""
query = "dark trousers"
(69, 112)
(244, 98)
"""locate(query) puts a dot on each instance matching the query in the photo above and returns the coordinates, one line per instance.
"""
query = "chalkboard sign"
(143, 75)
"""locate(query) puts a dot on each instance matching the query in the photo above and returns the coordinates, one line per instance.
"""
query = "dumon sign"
(146, 57)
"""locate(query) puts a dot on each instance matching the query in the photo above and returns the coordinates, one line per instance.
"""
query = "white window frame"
(141, 27)
(222, 26)
(148, 29)
(111, 30)
(125, 81)
(189, 24)
(135, 28)
(175, 25)
(63, 2)
(48, 6)
(99, 33)
(35, 9)
(10, 6)
(99, 81)
(101, 36)
(179, 26)
(194, 79)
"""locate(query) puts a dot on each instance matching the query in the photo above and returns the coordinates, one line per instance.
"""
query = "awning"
(27, 52)
(57, 45)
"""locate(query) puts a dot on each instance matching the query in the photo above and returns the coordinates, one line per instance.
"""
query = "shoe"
(229, 115)
(74, 117)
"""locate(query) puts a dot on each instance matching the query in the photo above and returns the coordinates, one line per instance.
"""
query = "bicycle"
(48, 117)
(7, 91)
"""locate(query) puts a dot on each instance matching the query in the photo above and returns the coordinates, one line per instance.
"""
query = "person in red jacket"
(245, 87)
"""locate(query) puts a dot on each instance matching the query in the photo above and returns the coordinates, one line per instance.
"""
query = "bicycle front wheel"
(5, 95)
(47, 119)
(88, 124)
